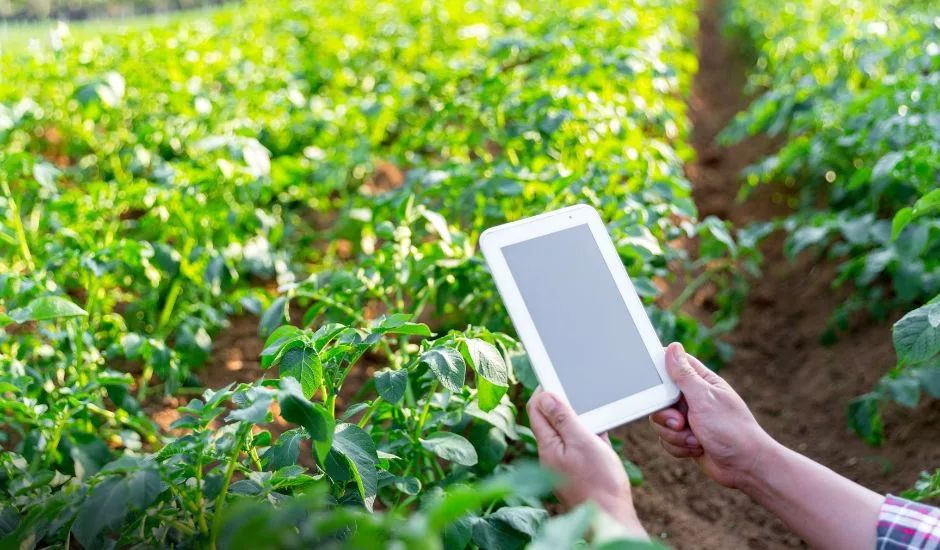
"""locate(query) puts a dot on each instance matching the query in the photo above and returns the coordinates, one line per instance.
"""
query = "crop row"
(854, 87)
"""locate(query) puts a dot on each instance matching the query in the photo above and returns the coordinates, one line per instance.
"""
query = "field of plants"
(322, 171)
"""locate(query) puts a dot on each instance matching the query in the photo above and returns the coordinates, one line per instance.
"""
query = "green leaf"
(492, 372)
(107, 506)
(864, 417)
(391, 384)
(257, 410)
(143, 486)
(439, 224)
(448, 365)
(457, 534)
(357, 447)
(495, 535)
(399, 323)
(917, 335)
(885, 165)
(489, 394)
(46, 175)
(303, 364)
(929, 377)
(524, 519)
(103, 510)
(285, 451)
(900, 221)
(273, 317)
(633, 473)
(46, 308)
(904, 390)
(452, 447)
(564, 531)
(283, 332)
(312, 417)
(804, 237)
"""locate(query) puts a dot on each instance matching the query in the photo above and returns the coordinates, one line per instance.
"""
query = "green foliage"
(927, 487)
(327, 167)
(853, 88)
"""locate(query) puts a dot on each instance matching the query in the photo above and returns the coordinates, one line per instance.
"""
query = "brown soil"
(798, 388)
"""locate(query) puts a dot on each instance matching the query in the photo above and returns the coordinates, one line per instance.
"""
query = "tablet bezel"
(612, 414)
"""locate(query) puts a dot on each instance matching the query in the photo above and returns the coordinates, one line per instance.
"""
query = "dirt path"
(798, 388)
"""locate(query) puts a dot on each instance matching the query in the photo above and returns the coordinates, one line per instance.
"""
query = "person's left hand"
(592, 470)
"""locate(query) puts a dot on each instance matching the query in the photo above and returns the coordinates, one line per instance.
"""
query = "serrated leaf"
(391, 384)
(451, 447)
(448, 365)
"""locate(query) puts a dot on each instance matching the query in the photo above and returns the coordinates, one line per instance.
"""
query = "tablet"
(581, 321)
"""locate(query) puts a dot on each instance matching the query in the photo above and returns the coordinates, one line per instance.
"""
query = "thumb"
(682, 372)
(561, 417)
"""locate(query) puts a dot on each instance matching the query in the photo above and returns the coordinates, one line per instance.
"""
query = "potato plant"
(853, 88)
(328, 168)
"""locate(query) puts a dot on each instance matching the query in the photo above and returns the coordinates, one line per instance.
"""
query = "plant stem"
(144, 382)
(693, 287)
(167, 311)
(18, 227)
(220, 500)
(365, 418)
(427, 407)
(200, 499)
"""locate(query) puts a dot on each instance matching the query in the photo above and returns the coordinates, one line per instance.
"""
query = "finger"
(683, 438)
(706, 373)
(561, 417)
(683, 374)
(682, 452)
(683, 407)
(541, 428)
(605, 438)
(671, 418)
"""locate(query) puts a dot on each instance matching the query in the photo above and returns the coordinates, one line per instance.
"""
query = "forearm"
(827, 510)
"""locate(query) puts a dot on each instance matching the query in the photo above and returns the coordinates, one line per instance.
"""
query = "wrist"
(767, 458)
(624, 513)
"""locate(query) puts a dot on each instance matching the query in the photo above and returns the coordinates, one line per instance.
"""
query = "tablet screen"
(581, 317)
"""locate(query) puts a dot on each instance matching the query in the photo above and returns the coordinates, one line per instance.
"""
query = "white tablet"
(582, 323)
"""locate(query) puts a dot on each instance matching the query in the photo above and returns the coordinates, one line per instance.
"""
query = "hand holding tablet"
(576, 311)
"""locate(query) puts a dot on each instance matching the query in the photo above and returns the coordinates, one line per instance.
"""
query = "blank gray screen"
(581, 318)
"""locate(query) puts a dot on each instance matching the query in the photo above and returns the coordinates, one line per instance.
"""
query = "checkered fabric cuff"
(903, 525)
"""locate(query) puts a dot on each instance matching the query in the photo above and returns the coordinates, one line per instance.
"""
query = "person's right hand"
(711, 423)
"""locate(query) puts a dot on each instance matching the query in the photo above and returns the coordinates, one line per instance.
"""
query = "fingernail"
(691, 440)
(677, 352)
(548, 404)
(673, 423)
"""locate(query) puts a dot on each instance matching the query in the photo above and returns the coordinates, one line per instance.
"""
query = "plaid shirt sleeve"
(906, 525)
